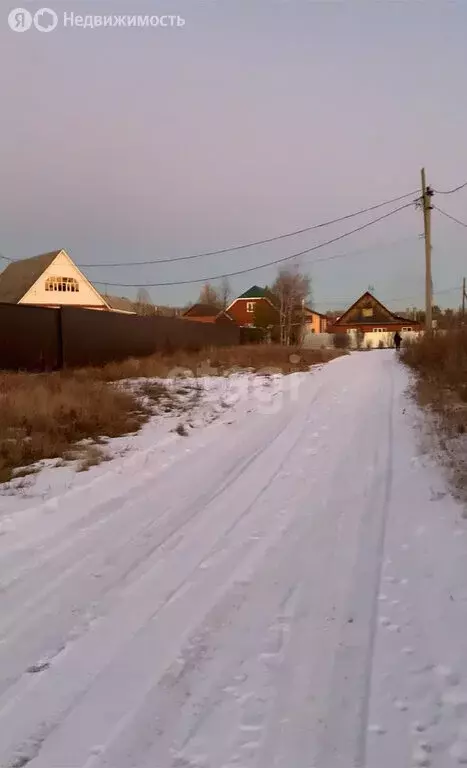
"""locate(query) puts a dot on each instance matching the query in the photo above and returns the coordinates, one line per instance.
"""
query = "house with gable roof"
(53, 280)
(368, 316)
(256, 301)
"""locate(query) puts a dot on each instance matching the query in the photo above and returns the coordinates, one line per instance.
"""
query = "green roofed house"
(243, 309)
(260, 302)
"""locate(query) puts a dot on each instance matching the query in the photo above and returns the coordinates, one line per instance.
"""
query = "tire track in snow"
(176, 521)
(344, 738)
(214, 599)
(239, 472)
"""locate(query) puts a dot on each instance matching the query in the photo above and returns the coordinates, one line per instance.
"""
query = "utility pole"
(427, 194)
(463, 300)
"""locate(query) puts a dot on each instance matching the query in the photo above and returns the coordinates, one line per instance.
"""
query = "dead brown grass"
(47, 416)
(441, 359)
(440, 362)
(216, 361)
(42, 416)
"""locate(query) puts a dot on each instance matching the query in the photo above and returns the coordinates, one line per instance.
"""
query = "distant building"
(244, 308)
(369, 316)
(315, 322)
(206, 313)
(260, 302)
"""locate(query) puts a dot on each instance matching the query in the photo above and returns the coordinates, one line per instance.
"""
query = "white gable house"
(53, 280)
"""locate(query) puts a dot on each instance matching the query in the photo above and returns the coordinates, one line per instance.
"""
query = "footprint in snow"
(457, 700)
(402, 706)
(458, 752)
(376, 729)
(448, 675)
(41, 666)
(421, 755)
(437, 495)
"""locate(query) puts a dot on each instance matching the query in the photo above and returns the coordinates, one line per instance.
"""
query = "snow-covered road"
(283, 590)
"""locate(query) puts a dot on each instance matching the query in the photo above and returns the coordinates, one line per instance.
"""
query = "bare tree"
(225, 293)
(292, 290)
(144, 304)
(209, 295)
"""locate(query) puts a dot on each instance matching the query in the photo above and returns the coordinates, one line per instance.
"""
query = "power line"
(449, 216)
(256, 242)
(451, 191)
(259, 266)
(377, 246)
(244, 245)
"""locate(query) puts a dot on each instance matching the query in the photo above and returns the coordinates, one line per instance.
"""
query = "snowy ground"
(286, 587)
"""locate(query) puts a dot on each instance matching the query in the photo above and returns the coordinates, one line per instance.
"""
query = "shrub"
(440, 357)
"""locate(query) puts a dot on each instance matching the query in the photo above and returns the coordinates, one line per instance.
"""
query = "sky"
(254, 119)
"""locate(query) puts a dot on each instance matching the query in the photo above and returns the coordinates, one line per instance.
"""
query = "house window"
(62, 284)
(379, 330)
(409, 328)
(250, 306)
(367, 312)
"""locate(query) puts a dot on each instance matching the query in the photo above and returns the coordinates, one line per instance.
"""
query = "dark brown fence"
(36, 338)
(29, 338)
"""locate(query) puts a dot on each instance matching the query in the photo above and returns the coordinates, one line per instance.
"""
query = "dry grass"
(43, 416)
(212, 362)
(441, 359)
(91, 457)
(48, 416)
(440, 362)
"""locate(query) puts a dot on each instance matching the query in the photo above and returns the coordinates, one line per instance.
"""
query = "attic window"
(250, 306)
(367, 311)
(62, 284)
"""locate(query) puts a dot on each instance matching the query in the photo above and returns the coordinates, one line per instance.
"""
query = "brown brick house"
(245, 308)
(368, 315)
(260, 307)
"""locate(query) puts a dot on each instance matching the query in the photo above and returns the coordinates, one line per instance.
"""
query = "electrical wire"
(449, 216)
(375, 247)
(255, 242)
(450, 191)
(259, 266)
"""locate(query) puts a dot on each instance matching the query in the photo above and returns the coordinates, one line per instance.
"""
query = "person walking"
(397, 340)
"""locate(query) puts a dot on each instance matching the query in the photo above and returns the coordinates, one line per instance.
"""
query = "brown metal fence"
(29, 338)
(37, 338)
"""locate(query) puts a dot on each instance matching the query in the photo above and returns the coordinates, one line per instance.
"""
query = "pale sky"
(257, 117)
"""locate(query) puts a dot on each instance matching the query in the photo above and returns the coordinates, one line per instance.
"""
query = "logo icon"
(45, 20)
(19, 20)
